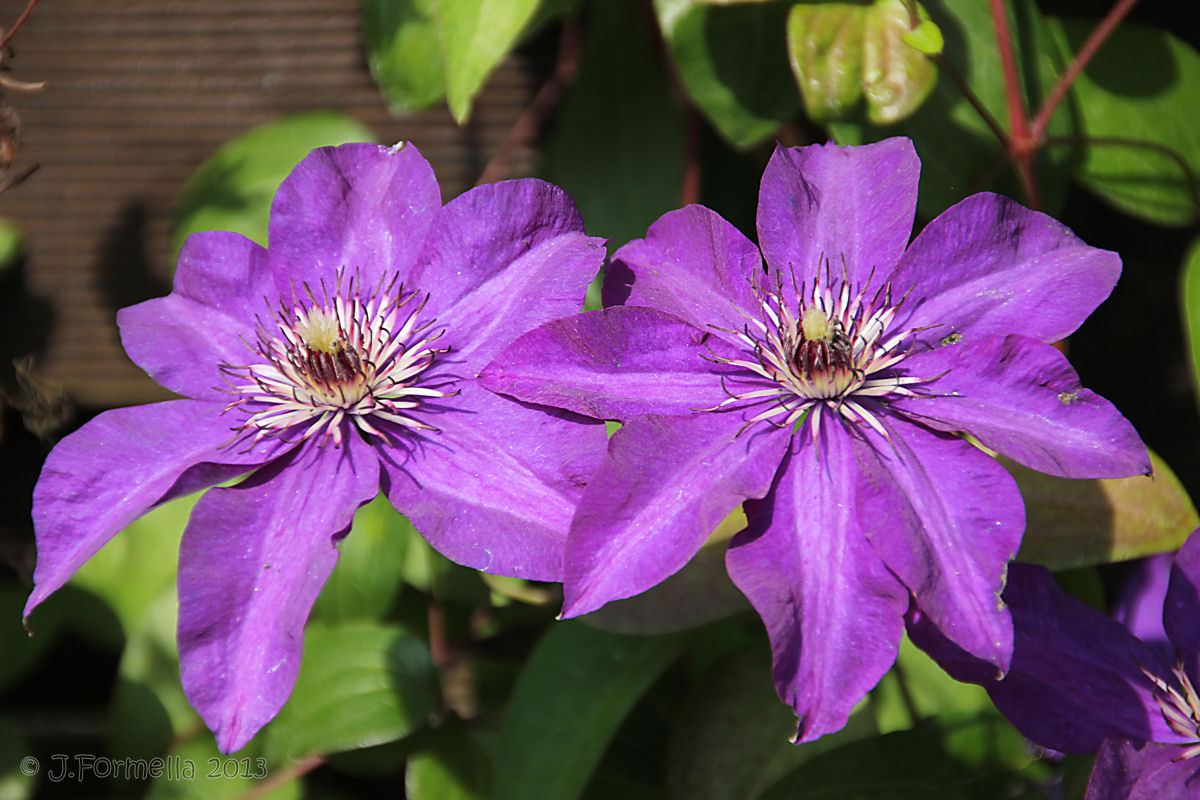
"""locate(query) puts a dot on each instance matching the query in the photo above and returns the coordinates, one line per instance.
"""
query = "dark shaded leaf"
(576, 688)
(1140, 90)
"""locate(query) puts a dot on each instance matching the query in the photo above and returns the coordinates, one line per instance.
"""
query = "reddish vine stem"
(689, 187)
(17, 25)
(1098, 37)
(291, 772)
(529, 125)
(1019, 145)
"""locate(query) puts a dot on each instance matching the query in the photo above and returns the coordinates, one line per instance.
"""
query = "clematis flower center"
(358, 355)
(1180, 706)
(828, 348)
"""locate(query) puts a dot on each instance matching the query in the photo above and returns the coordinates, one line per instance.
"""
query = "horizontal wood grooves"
(138, 93)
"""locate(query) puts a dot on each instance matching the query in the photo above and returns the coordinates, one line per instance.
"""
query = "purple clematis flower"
(829, 390)
(1081, 681)
(338, 362)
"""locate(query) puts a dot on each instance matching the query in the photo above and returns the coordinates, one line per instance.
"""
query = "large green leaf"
(1140, 88)
(699, 593)
(576, 688)
(619, 143)
(959, 154)
(17, 770)
(475, 36)
(1077, 523)
(401, 40)
(370, 567)
(906, 765)
(733, 63)
(448, 765)
(359, 685)
(148, 708)
(233, 188)
(732, 737)
(1191, 307)
(195, 770)
(139, 564)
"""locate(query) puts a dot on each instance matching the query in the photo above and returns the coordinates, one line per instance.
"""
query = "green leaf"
(825, 47)
(448, 766)
(21, 650)
(11, 242)
(576, 688)
(359, 685)
(732, 737)
(1140, 88)
(370, 568)
(896, 76)
(905, 765)
(926, 37)
(699, 593)
(149, 708)
(1078, 523)
(623, 168)
(16, 773)
(195, 769)
(732, 63)
(138, 564)
(918, 684)
(959, 153)
(233, 188)
(475, 36)
(401, 40)
(844, 54)
(1191, 307)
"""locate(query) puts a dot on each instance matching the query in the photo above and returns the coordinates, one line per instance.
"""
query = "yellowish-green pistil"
(354, 356)
(825, 349)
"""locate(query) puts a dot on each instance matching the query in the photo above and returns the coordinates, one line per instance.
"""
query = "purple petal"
(665, 485)
(495, 488)
(1128, 771)
(619, 363)
(1020, 397)
(1140, 606)
(850, 205)
(253, 558)
(988, 267)
(1181, 610)
(833, 611)
(546, 283)
(502, 259)
(693, 265)
(946, 518)
(1076, 674)
(359, 206)
(119, 466)
(182, 339)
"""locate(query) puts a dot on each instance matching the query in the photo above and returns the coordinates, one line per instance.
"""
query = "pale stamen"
(830, 351)
(322, 361)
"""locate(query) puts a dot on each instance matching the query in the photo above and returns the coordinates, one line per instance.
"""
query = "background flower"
(339, 361)
(1081, 681)
(829, 390)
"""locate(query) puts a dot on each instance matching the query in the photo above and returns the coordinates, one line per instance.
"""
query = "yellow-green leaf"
(1077, 523)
